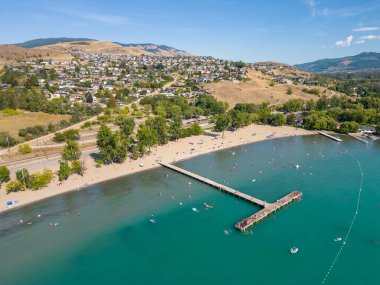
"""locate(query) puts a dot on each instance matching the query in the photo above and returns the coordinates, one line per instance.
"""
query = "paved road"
(39, 163)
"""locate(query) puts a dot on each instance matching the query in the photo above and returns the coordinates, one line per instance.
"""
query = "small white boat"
(153, 221)
(226, 232)
(195, 210)
(180, 203)
(297, 166)
(293, 250)
(338, 239)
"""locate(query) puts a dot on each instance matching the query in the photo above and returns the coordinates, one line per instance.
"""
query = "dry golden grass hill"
(94, 47)
(258, 90)
(11, 54)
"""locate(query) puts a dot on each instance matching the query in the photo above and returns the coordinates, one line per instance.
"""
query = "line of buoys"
(344, 243)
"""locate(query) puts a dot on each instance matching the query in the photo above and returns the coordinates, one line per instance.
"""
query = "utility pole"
(9, 150)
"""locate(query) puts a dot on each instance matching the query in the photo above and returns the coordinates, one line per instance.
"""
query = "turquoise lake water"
(104, 235)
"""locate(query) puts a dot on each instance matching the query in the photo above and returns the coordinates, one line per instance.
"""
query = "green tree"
(278, 119)
(160, 127)
(293, 105)
(71, 151)
(223, 122)
(176, 128)
(105, 143)
(112, 146)
(31, 81)
(349, 127)
(64, 170)
(147, 137)
(126, 125)
(291, 119)
(4, 174)
(24, 177)
(289, 91)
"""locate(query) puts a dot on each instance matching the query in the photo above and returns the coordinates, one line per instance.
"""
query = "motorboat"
(208, 206)
(293, 250)
(153, 221)
(338, 239)
(195, 210)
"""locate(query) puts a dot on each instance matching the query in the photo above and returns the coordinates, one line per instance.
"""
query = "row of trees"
(176, 106)
(34, 101)
(114, 147)
(25, 180)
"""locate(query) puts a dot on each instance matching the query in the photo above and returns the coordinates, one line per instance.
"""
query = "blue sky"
(292, 31)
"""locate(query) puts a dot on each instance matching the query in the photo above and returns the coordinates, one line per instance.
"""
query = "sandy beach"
(174, 151)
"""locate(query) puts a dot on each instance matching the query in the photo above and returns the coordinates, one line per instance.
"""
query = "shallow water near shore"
(104, 235)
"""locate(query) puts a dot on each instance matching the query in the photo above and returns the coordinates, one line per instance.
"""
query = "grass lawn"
(25, 119)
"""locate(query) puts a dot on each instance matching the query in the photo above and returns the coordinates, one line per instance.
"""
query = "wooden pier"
(268, 208)
(329, 136)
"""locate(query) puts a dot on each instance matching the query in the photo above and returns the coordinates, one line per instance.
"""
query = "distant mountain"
(364, 62)
(160, 50)
(146, 48)
(49, 41)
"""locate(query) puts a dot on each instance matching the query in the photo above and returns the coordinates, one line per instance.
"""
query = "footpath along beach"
(174, 151)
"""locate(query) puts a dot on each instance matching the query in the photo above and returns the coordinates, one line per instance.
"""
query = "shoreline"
(174, 151)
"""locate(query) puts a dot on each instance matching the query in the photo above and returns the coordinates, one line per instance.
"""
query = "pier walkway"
(357, 138)
(329, 136)
(268, 208)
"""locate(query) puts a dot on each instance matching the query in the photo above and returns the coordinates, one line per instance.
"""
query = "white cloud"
(370, 37)
(345, 43)
(360, 42)
(366, 29)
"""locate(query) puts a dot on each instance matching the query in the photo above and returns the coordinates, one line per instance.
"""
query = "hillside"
(95, 47)
(49, 41)
(115, 48)
(258, 90)
(364, 62)
(160, 50)
(10, 54)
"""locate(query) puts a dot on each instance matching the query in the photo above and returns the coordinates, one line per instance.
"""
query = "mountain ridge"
(146, 48)
(360, 63)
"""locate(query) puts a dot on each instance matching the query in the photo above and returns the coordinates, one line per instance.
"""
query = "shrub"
(14, 186)
(6, 140)
(11, 112)
(25, 148)
(86, 125)
(41, 179)
(66, 135)
(314, 91)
